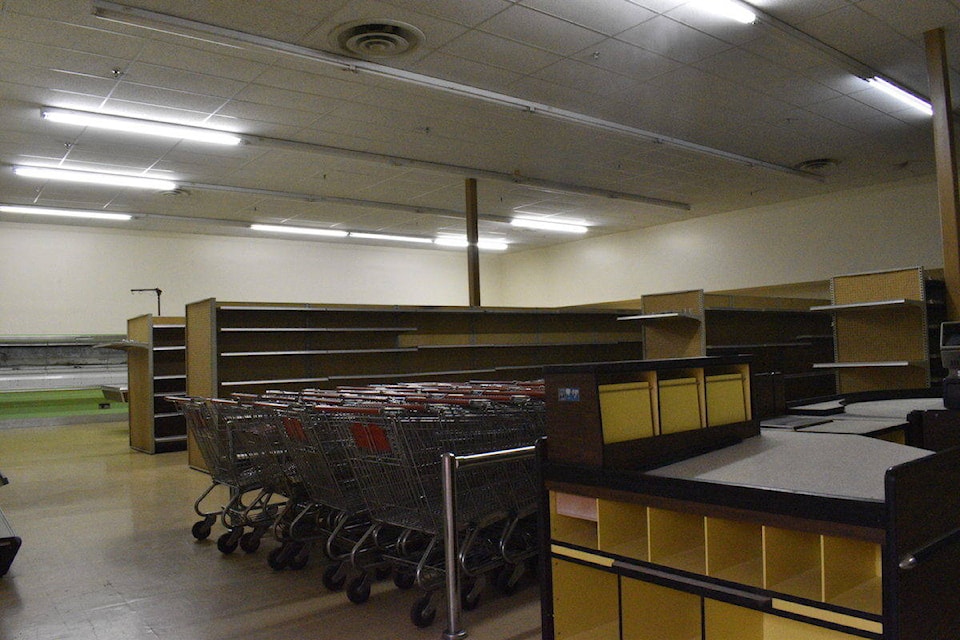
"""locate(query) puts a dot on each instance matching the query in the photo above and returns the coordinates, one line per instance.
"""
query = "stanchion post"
(449, 485)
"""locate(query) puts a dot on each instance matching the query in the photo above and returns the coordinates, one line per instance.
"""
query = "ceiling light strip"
(902, 95)
(487, 244)
(304, 231)
(64, 213)
(549, 225)
(122, 13)
(91, 177)
(138, 126)
(363, 235)
(848, 62)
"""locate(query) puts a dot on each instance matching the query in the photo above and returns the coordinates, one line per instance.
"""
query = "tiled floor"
(107, 554)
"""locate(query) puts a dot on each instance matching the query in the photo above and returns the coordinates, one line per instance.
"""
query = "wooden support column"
(946, 157)
(473, 235)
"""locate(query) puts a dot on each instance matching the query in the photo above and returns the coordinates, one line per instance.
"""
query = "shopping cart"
(352, 541)
(396, 456)
(224, 433)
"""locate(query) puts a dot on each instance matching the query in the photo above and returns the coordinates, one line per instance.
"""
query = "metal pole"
(473, 236)
(450, 463)
(449, 485)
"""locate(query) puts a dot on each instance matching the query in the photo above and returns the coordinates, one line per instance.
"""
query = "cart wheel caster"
(404, 580)
(358, 591)
(201, 530)
(299, 561)
(333, 579)
(227, 543)
(467, 601)
(423, 613)
(506, 584)
(276, 559)
(250, 542)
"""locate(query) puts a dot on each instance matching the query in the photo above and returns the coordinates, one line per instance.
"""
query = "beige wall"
(892, 226)
(71, 280)
(74, 280)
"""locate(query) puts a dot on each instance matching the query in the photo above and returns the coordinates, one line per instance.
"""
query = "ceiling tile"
(468, 14)
(179, 80)
(693, 15)
(627, 59)
(541, 30)
(913, 18)
(469, 72)
(498, 52)
(609, 17)
(673, 40)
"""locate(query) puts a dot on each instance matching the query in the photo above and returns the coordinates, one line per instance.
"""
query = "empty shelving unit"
(882, 324)
(724, 533)
(252, 347)
(783, 335)
(156, 368)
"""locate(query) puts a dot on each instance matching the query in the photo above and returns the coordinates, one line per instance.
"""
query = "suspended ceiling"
(623, 114)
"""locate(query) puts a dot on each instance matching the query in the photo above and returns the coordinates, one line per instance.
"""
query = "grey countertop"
(823, 464)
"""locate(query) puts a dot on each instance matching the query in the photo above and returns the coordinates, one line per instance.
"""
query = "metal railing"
(450, 464)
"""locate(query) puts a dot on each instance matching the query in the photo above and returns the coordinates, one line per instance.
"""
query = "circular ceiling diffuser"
(376, 38)
(817, 164)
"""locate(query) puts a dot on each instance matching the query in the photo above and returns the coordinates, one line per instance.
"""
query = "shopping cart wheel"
(277, 559)
(334, 578)
(404, 580)
(299, 559)
(227, 543)
(469, 596)
(508, 577)
(250, 541)
(201, 530)
(423, 613)
(358, 591)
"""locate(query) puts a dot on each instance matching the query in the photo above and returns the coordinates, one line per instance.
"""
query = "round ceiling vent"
(376, 38)
(817, 164)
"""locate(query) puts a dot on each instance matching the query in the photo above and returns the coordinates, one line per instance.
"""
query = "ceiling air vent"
(817, 164)
(376, 38)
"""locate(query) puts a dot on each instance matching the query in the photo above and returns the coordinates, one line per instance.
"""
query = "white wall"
(75, 280)
(891, 226)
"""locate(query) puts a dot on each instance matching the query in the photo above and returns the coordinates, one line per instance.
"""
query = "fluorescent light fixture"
(905, 97)
(487, 244)
(137, 126)
(305, 231)
(66, 213)
(728, 9)
(90, 177)
(549, 225)
(391, 238)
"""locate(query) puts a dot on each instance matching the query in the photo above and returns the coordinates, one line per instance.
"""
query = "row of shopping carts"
(355, 473)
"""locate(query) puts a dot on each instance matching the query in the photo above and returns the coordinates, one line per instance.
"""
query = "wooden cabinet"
(882, 326)
(783, 335)
(156, 368)
(253, 347)
(632, 414)
(777, 536)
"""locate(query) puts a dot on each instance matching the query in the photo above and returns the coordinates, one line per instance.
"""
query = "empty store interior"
(221, 198)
